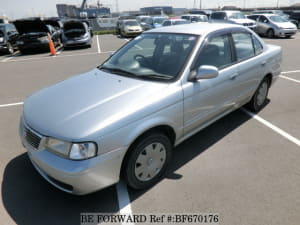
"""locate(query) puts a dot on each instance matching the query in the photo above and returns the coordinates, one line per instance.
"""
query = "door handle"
(263, 63)
(233, 76)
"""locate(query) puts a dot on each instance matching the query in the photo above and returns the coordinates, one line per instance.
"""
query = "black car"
(8, 38)
(295, 15)
(33, 35)
(76, 34)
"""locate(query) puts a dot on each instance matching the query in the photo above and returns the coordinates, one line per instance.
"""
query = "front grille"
(32, 138)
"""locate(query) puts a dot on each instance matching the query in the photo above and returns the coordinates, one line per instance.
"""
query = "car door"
(206, 99)
(250, 63)
(264, 25)
(13, 35)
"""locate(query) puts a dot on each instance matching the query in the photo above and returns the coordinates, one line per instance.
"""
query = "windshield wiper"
(157, 76)
(117, 71)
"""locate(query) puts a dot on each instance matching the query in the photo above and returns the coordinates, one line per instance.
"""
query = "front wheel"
(270, 33)
(147, 161)
(260, 96)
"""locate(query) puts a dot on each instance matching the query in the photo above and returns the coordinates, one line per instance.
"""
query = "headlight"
(86, 35)
(83, 150)
(75, 151)
(44, 39)
(1, 39)
(58, 146)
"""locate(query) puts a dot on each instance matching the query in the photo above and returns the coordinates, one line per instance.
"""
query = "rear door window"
(243, 45)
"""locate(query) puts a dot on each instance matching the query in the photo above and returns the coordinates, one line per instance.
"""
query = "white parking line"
(98, 45)
(293, 71)
(123, 200)
(11, 104)
(273, 127)
(291, 79)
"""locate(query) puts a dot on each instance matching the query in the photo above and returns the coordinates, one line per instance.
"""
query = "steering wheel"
(137, 57)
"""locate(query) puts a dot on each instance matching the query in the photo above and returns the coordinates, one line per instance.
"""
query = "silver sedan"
(123, 118)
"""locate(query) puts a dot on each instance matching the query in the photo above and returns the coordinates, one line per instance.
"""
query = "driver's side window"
(216, 52)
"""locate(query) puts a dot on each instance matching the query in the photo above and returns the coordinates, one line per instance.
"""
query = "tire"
(260, 96)
(147, 161)
(10, 48)
(270, 33)
(288, 36)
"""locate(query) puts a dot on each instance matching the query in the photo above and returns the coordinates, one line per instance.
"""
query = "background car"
(279, 13)
(76, 34)
(171, 22)
(33, 35)
(195, 18)
(273, 25)
(8, 38)
(295, 15)
(235, 17)
(153, 22)
(130, 28)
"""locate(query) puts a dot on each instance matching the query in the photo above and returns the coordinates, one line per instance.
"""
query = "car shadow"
(29, 199)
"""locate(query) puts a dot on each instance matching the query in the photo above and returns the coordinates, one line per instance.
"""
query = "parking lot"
(243, 167)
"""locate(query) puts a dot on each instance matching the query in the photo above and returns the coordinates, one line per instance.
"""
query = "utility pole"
(117, 5)
(200, 4)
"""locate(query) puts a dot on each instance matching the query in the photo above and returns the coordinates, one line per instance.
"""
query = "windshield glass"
(131, 23)
(278, 19)
(152, 56)
(159, 20)
(237, 15)
(177, 22)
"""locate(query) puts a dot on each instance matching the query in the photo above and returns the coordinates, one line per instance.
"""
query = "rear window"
(218, 16)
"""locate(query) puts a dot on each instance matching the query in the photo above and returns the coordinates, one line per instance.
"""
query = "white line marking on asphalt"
(288, 78)
(126, 39)
(98, 45)
(124, 201)
(273, 127)
(7, 59)
(11, 104)
(293, 71)
(59, 56)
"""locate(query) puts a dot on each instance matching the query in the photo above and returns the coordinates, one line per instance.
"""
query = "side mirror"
(204, 72)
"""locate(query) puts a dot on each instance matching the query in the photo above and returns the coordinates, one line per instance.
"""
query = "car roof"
(264, 14)
(195, 28)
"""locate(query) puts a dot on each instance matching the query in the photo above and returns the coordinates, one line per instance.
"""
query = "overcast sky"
(23, 8)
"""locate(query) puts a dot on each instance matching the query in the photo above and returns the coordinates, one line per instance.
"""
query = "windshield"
(278, 19)
(152, 56)
(159, 20)
(131, 23)
(177, 22)
(237, 15)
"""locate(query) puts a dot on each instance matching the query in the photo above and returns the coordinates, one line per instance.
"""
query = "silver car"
(273, 25)
(123, 118)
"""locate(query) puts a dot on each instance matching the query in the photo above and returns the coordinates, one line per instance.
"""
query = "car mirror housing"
(204, 72)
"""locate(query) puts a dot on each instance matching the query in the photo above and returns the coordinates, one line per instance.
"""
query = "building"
(157, 10)
(64, 10)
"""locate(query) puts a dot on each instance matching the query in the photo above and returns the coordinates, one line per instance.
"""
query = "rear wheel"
(270, 33)
(260, 96)
(147, 160)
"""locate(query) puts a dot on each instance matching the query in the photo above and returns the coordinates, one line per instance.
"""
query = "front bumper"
(75, 43)
(75, 177)
(285, 32)
(3, 47)
(33, 46)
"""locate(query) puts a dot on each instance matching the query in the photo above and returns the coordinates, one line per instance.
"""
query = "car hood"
(133, 27)
(286, 25)
(93, 102)
(74, 24)
(30, 26)
(242, 21)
